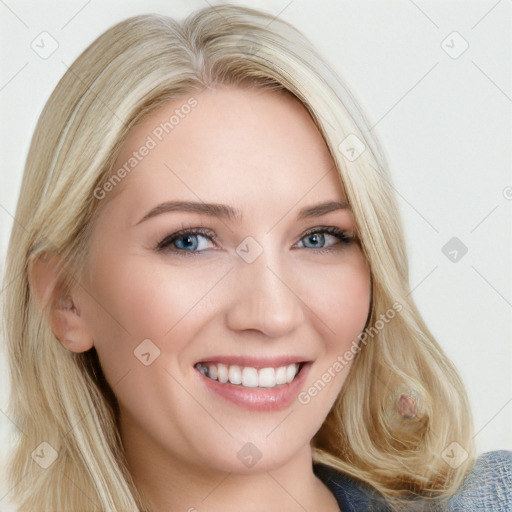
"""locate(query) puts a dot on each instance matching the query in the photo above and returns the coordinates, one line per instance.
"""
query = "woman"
(213, 310)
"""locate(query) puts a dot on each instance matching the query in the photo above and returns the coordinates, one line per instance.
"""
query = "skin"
(260, 152)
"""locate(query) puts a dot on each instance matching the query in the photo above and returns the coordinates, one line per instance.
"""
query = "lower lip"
(259, 399)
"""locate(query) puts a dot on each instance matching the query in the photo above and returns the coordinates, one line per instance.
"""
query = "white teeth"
(250, 377)
(212, 371)
(291, 370)
(235, 375)
(267, 378)
(222, 373)
(281, 375)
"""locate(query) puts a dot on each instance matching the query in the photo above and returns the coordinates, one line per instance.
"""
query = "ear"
(45, 280)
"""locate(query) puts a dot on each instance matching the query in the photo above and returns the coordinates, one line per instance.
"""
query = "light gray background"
(445, 124)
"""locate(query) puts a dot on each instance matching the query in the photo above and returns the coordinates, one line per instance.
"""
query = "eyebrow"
(228, 212)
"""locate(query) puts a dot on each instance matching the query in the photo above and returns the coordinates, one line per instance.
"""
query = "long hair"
(61, 398)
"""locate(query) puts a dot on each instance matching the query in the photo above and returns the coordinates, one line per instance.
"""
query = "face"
(224, 282)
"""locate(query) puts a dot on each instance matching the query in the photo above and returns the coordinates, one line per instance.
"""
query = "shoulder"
(352, 495)
(487, 488)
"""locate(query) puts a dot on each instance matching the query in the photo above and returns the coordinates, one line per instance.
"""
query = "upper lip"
(254, 362)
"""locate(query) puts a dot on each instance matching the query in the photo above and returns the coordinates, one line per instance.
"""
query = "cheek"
(350, 303)
(130, 300)
(150, 295)
(340, 298)
(342, 312)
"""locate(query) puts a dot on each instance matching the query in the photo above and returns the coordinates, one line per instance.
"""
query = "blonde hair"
(62, 398)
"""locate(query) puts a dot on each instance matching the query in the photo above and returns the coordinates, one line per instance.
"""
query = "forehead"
(247, 147)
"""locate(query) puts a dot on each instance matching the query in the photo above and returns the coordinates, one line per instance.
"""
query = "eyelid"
(324, 229)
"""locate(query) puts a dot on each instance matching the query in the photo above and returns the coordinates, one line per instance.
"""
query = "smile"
(249, 377)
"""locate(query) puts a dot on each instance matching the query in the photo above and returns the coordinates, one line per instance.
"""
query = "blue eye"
(325, 238)
(315, 241)
(187, 241)
(193, 241)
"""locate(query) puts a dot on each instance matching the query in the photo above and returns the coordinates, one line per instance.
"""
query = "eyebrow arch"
(228, 212)
(320, 209)
(211, 209)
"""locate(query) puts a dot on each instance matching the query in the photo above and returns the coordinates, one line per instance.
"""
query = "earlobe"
(63, 316)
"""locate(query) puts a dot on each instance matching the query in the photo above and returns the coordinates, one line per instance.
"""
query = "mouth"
(256, 384)
(250, 377)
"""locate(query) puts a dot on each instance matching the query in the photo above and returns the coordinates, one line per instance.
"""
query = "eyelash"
(164, 245)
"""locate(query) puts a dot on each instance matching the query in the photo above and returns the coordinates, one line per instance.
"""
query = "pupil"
(187, 242)
(316, 239)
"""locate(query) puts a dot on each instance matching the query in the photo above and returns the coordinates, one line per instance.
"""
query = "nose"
(263, 299)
